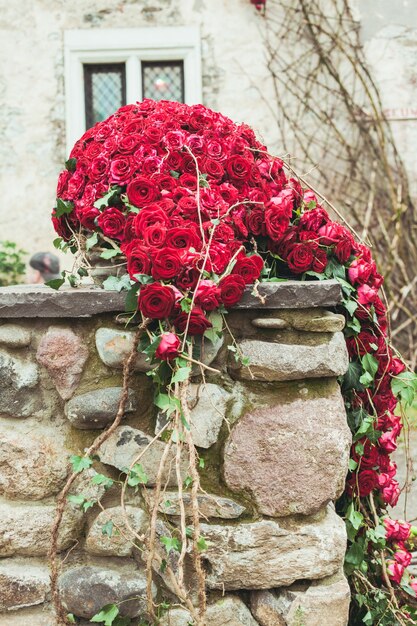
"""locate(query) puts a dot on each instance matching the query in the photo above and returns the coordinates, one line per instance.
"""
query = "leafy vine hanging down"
(189, 208)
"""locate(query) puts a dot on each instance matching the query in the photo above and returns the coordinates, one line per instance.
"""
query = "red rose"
(360, 271)
(396, 530)
(168, 347)
(121, 170)
(391, 493)
(231, 289)
(62, 183)
(138, 259)
(213, 169)
(184, 237)
(314, 219)
(197, 325)
(249, 267)
(87, 217)
(395, 571)
(388, 441)
(276, 221)
(98, 169)
(149, 217)
(156, 301)
(300, 258)
(142, 191)
(155, 235)
(403, 557)
(238, 167)
(166, 263)
(370, 456)
(112, 223)
(367, 481)
(256, 222)
(319, 261)
(76, 184)
(207, 295)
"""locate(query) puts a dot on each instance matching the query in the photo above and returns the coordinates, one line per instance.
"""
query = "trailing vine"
(191, 209)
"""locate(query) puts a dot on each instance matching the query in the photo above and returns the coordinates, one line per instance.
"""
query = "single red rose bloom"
(168, 347)
(197, 325)
(112, 223)
(300, 258)
(156, 301)
(231, 289)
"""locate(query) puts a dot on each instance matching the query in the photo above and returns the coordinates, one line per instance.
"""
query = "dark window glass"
(105, 90)
(163, 80)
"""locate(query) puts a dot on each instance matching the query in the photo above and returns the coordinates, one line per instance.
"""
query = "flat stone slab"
(23, 583)
(95, 409)
(228, 611)
(41, 301)
(272, 553)
(209, 505)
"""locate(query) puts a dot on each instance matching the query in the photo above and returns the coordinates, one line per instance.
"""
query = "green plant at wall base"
(12, 267)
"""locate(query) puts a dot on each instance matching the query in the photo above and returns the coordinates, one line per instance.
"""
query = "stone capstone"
(87, 589)
(63, 354)
(23, 583)
(32, 466)
(291, 457)
(269, 553)
(126, 443)
(207, 403)
(96, 409)
(14, 336)
(209, 505)
(109, 534)
(113, 346)
(228, 611)
(324, 602)
(25, 530)
(18, 394)
(288, 361)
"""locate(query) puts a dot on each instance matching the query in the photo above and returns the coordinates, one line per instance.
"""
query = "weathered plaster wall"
(275, 442)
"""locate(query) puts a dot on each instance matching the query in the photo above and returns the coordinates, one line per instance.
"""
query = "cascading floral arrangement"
(196, 209)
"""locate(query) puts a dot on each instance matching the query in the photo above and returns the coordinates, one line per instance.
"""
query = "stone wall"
(273, 437)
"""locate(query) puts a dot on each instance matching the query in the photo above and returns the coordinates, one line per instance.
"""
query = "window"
(107, 68)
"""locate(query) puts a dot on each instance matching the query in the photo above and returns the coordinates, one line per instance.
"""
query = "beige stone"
(268, 553)
(29, 617)
(291, 456)
(33, 465)
(228, 611)
(14, 336)
(114, 345)
(25, 530)
(209, 505)
(118, 540)
(270, 361)
(23, 583)
(325, 602)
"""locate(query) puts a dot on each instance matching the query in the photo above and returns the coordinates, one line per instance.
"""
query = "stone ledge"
(22, 301)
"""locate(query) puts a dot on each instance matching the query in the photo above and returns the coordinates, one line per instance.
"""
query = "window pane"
(105, 90)
(163, 80)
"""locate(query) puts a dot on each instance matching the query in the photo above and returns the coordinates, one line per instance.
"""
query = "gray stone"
(31, 301)
(324, 602)
(25, 530)
(228, 611)
(126, 444)
(270, 322)
(120, 540)
(291, 456)
(86, 589)
(63, 354)
(283, 361)
(115, 345)
(209, 505)
(23, 583)
(206, 351)
(326, 322)
(268, 553)
(19, 378)
(207, 404)
(14, 336)
(96, 409)
(32, 466)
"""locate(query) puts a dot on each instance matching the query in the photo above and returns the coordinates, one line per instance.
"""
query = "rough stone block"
(269, 553)
(30, 617)
(63, 354)
(25, 530)
(23, 583)
(96, 409)
(325, 602)
(14, 336)
(32, 464)
(18, 394)
(325, 322)
(291, 456)
(117, 541)
(113, 346)
(209, 505)
(207, 404)
(228, 611)
(127, 443)
(284, 361)
(86, 589)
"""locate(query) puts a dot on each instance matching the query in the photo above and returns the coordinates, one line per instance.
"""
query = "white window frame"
(130, 46)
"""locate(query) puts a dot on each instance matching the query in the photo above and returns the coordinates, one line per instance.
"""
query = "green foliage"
(106, 616)
(171, 543)
(404, 386)
(137, 476)
(80, 463)
(12, 267)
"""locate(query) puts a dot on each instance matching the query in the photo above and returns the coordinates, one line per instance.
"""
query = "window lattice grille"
(105, 90)
(163, 80)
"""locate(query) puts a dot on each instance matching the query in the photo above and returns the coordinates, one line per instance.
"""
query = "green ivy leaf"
(70, 617)
(109, 253)
(117, 283)
(111, 196)
(202, 544)
(131, 302)
(63, 207)
(137, 476)
(80, 463)
(77, 499)
(404, 386)
(107, 528)
(351, 378)
(171, 543)
(101, 479)
(55, 283)
(71, 164)
(107, 615)
(91, 241)
(181, 375)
